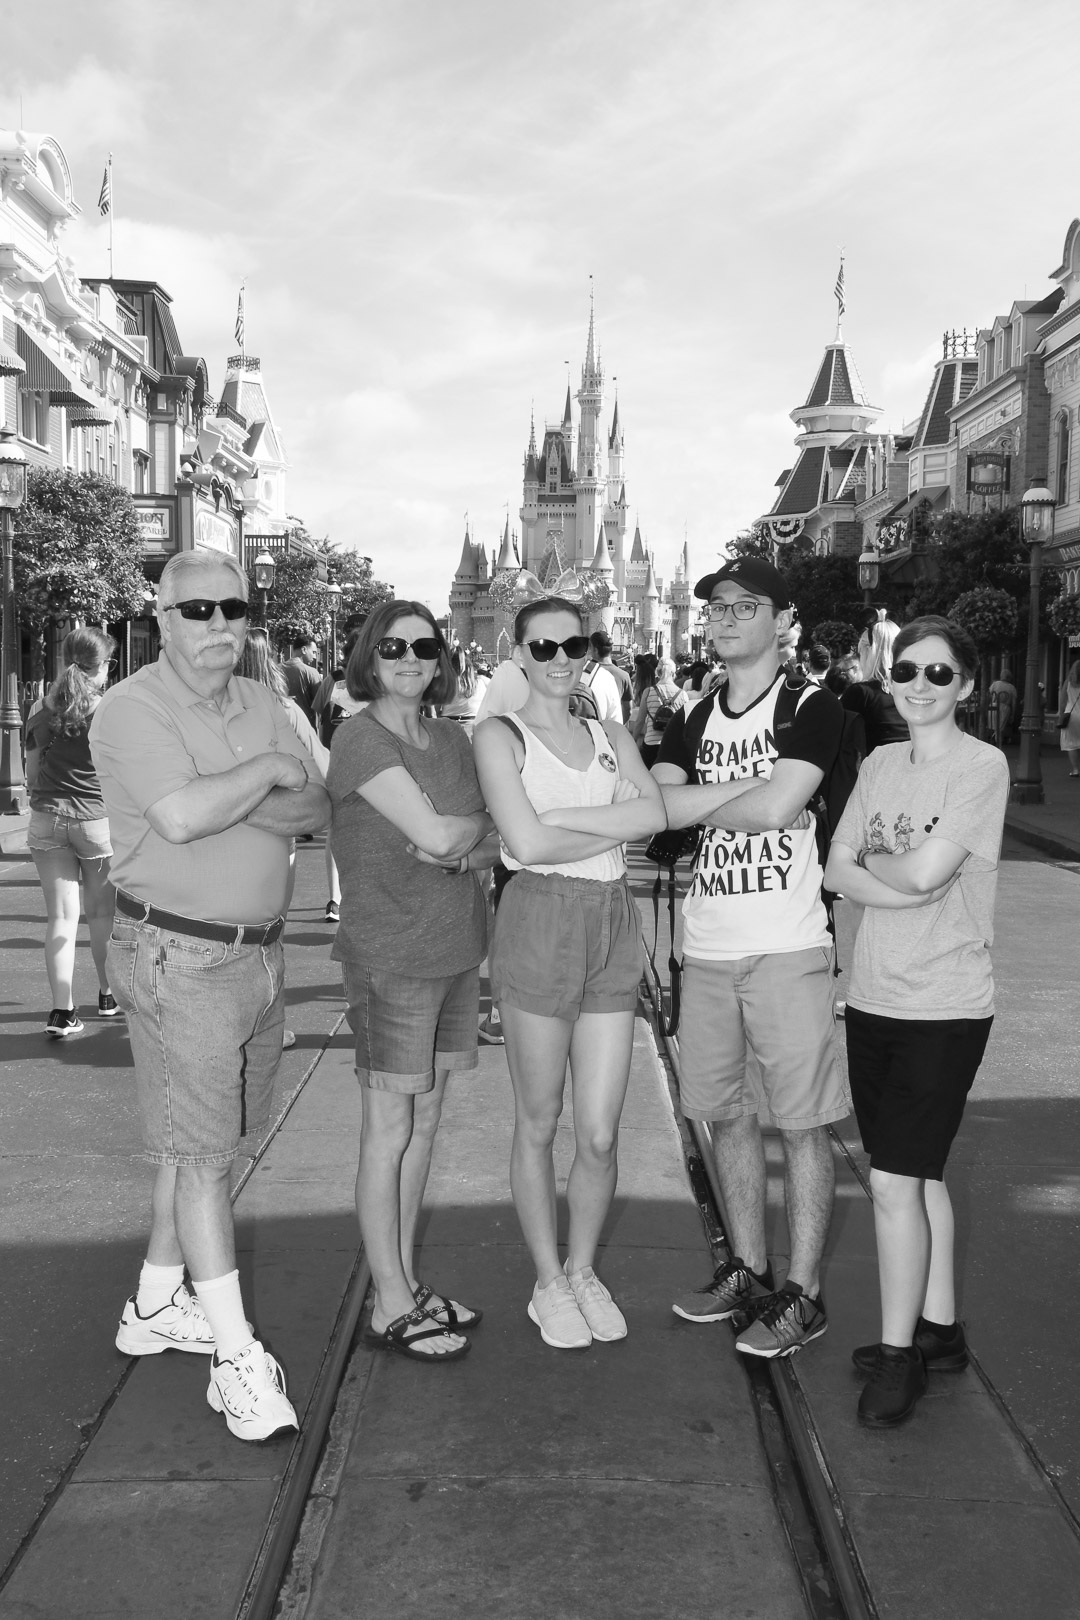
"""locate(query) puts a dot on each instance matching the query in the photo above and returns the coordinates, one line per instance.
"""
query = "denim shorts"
(564, 946)
(49, 830)
(407, 1028)
(779, 1010)
(206, 1020)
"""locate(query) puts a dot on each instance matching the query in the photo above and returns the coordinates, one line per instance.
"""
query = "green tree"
(296, 604)
(77, 553)
(360, 590)
(989, 616)
(822, 588)
(970, 553)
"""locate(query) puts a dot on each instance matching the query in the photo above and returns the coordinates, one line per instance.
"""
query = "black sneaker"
(63, 1023)
(940, 1355)
(106, 1004)
(734, 1288)
(788, 1320)
(896, 1385)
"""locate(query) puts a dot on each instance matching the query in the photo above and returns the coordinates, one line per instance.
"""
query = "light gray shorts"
(564, 946)
(776, 1009)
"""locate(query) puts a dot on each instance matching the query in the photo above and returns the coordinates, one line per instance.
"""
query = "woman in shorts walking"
(918, 847)
(68, 834)
(408, 828)
(566, 958)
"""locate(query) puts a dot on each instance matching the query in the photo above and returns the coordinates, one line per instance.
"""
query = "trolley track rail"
(809, 1503)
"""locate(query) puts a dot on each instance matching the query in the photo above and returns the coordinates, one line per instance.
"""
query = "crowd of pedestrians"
(472, 817)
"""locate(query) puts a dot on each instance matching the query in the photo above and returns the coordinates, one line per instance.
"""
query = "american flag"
(104, 201)
(240, 319)
(839, 288)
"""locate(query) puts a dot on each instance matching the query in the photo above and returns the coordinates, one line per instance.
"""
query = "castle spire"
(601, 563)
(506, 553)
(466, 568)
(566, 417)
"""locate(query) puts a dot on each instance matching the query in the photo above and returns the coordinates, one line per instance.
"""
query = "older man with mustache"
(205, 783)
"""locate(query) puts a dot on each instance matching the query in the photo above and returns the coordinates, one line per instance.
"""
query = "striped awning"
(47, 375)
(91, 416)
(10, 364)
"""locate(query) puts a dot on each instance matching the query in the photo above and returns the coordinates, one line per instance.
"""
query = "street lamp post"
(869, 574)
(12, 495)
(1037, 527)
(334, 593)
(265, 568)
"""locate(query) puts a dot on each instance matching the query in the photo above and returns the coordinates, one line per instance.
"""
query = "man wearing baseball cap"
(757, 969)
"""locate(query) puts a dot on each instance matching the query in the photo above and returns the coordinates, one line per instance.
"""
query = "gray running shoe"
(732, 1289)
(789, 1320)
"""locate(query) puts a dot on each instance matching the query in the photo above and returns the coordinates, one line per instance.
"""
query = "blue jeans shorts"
(49, 830)
(206, 1020)
(407, 1028)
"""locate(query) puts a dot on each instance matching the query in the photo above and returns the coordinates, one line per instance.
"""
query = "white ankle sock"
(157, 1285)
(220, 1299)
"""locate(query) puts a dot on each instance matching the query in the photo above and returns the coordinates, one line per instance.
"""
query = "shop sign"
(214, 532)
(155, 529)
(987, 473)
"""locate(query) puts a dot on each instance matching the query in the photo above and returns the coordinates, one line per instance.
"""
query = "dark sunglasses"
(201, 608)
(936, 674)
(393, 648)
(544, 651)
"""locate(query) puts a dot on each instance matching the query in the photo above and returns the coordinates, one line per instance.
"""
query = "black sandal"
(458, 1317)
(394, 1337)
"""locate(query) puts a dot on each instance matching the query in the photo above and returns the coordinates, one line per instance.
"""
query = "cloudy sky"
(418, 195)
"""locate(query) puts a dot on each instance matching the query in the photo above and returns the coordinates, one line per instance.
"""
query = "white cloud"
(418, 199)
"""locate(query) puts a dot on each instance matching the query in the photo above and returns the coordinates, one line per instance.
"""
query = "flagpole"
(112, 211)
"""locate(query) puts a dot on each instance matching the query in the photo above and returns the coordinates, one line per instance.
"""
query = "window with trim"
(34, 417)
(140, 464)
(1063, 459)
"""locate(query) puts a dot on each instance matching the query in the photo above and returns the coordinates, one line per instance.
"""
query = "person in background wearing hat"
(757, 969)
(205, 783)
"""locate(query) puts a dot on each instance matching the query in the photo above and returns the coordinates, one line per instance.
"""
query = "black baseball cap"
(759, 577)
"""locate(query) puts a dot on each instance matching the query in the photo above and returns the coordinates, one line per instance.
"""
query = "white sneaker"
(555, 1312)
(596, 1305)
(250, 1391)
(180, 1325)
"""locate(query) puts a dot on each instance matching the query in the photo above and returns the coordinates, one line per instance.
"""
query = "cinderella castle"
(573, 517)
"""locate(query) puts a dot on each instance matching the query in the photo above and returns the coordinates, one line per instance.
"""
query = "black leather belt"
(232, 933)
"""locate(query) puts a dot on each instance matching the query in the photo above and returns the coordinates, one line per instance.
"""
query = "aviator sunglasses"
(202, 608)
(394, 648)
(544, 651)
(936, 674)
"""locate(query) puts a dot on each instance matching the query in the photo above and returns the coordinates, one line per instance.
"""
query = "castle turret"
(463, 592)
(650, 609)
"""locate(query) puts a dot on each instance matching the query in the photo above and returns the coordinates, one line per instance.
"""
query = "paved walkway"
(624, 1481)
(74, 1197)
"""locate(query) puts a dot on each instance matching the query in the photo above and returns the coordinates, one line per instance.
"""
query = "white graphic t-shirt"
(755, 893)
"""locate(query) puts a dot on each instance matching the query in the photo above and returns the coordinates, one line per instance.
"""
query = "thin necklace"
(563, 751)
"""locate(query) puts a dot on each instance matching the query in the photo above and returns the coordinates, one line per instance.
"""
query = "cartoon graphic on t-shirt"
(876, 833)
(903, 829)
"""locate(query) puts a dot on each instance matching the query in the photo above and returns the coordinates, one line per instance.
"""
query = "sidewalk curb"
(1043, 842)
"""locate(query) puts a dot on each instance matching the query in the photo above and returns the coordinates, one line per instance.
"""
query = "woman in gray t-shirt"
(918, 847)
(410, 833)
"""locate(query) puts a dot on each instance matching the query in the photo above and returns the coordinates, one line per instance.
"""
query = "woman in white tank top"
(565, 795)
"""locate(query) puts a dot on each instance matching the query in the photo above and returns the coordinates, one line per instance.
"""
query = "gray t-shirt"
(930, 961)
(396, 912)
